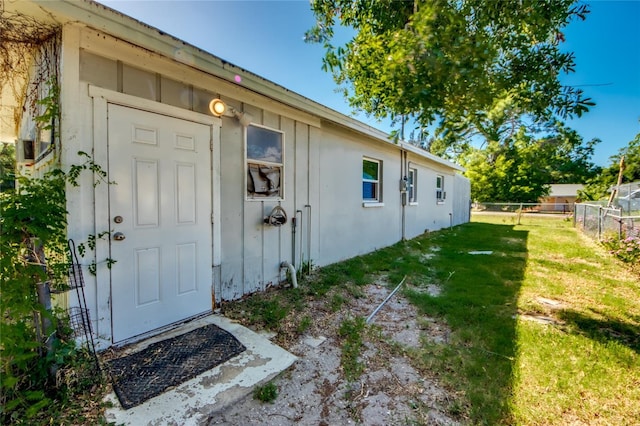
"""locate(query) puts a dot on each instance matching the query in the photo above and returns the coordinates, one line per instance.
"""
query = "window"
(440, 194)
(265, 163)
(371, 180)
(412, 179)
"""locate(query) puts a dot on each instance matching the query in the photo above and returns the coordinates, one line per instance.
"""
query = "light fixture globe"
(217, 107)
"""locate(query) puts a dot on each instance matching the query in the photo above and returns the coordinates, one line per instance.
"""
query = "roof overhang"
(103, 18)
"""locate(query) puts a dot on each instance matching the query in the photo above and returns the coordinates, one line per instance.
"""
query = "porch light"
(217, 107)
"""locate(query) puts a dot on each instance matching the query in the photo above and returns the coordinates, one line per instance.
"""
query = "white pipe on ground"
(292, 272)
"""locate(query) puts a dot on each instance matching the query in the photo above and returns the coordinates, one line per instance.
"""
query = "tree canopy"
(521, 167)
(447, 62)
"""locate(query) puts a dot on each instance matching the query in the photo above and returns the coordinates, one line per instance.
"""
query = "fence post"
(600, 218)
(519, 213)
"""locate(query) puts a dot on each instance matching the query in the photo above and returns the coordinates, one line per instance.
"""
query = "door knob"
(118, 236)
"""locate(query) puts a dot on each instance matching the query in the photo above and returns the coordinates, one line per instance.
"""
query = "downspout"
(294, 242)
(294, 219)
(403, 190)
(292, 272)
(308, 206)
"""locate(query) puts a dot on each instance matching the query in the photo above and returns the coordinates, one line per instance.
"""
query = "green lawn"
(545, 325)
(546, 329)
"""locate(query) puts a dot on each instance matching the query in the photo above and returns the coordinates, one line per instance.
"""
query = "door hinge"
(211, 144)
(212, 218)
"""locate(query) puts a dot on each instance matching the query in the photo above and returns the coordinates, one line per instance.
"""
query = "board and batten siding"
(322, 174)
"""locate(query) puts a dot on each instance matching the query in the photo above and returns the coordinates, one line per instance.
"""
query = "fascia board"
(431, 157)
(136, 32)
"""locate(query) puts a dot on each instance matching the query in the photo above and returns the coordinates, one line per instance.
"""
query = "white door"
(160, 217)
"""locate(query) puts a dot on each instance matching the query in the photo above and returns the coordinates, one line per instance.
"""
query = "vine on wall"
(33, 231)
(29, 63)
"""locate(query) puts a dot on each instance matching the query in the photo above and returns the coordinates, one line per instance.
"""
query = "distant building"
(561, 198)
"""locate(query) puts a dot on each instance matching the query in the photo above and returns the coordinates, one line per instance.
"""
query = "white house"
(207, 169)
(562, 197)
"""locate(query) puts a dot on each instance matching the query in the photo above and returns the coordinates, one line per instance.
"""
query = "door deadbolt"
(118, 219)
(118, 236)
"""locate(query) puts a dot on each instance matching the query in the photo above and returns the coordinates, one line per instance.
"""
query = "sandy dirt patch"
(391, 391)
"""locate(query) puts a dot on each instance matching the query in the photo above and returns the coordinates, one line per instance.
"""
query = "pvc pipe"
(308, 206)
(292, 272)
(370, 317)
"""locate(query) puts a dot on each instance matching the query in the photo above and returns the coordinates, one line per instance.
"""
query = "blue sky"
(266, 38)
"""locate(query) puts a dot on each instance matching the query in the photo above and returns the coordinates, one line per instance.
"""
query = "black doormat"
(145, 374)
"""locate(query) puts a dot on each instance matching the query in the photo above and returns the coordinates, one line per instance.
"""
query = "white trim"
(372, 204)
(412, 187)
(108, 21)
(101, 204)
(425, 154)
(282, 195)
(152, 106)
(378, 181)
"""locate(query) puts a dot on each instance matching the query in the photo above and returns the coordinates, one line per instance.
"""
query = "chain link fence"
(599, 221)
(551, 208)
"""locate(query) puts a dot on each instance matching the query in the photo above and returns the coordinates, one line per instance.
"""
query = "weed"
(266, 393)
(351, 332)
(304, 324)
(337, 300)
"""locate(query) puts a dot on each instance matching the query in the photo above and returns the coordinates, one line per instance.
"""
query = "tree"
(520, 167)
(598, 187)
(450, 61)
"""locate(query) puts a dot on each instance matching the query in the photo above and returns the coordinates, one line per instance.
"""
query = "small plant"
(351, 331)
(337, 300)
(267, 393)
(304, 324)
(33, 221)
(626, 249)
(305, 269)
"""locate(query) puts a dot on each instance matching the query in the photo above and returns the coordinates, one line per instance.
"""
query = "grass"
(351, 331)
(266, 393)
(580, 367)
(583, 367)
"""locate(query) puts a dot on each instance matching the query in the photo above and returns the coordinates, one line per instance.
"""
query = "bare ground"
(391, 390)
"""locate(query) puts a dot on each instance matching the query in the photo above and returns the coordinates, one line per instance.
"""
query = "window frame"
(412, 186)
(281, 193)
(377, 201)
(441, 195)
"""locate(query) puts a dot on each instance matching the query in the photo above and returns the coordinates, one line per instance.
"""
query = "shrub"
(35, 344)
(626, 249)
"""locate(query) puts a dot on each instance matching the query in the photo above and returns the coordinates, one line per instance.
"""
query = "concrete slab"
(194, 401)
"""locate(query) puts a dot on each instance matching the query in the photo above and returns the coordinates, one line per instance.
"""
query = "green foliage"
(451, 61)
(350, 331)
(33, 221)
(520, 167)
(304, 324)
(7, 167)
(266, 393)
(33, 224)
(626, 249)
(597, 188)
(51, 113)
(268, 312)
